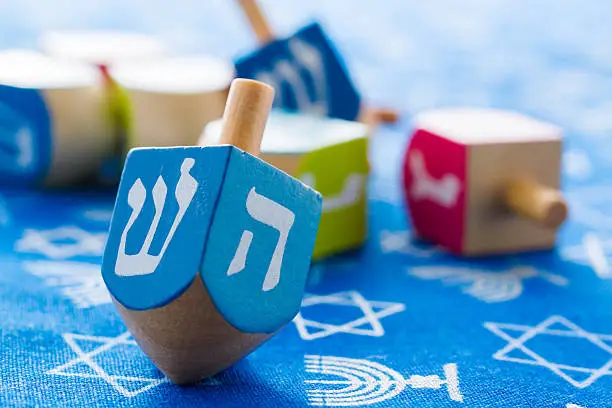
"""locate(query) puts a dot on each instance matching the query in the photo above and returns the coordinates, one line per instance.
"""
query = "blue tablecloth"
(397, 323)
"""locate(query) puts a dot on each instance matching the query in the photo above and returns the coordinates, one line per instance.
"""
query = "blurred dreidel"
(209, 247)
(484, 181)
(172, 99)
(103, 49)
(306, 70)
(328, 154)
(54, 126)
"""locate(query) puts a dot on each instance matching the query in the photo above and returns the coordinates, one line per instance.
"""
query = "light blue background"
(548, 58)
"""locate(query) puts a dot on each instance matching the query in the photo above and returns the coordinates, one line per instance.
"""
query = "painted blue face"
(260, 245)
(247, 227)
(164, 207)
(307, 73)
(25, 137)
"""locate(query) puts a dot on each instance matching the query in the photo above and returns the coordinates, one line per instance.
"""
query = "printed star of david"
(118, 382)
(368, 325)
(52, 243)
(533, 358)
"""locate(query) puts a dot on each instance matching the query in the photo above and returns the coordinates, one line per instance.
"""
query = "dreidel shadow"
(203, 278)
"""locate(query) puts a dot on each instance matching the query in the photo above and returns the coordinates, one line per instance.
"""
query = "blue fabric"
(397, 323)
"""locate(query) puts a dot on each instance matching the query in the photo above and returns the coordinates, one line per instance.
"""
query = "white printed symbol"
(592, 252)
(274, 215)
(403, 243)
(361, 382)
(307, 58)
(14, 125)
(573, 406)
(488, 286)
(372, 311)
(351, 193)
(126, 385)
(81, 282)
(444, 191)
(63, 242)
(554, 326)
(144, 263)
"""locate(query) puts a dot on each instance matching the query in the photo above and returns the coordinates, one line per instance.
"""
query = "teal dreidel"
(205, 274)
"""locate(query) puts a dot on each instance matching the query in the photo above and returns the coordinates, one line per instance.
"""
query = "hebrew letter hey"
(273, 214)
(144, 263)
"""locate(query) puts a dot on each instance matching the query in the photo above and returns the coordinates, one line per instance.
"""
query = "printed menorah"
(361, 382)
(144, 263)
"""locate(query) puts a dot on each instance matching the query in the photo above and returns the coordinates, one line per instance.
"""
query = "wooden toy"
(54, 127)
(103, 49)
(306, 70)
(484, 181)
(328, 154)
(215, 261)
(172, 99)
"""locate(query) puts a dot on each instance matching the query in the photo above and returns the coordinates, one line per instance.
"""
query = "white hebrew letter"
(144, 263)
(350, 194)
(444, 191)
(311, 59)
(276, 216)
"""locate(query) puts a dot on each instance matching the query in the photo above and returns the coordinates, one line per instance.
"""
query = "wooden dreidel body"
(54, 125)
(172, 99)
(330, 155)
(104, 49)
(484, 181)
(209, 247)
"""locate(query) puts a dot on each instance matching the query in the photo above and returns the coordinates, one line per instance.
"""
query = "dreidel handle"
(542, 204)
(258, 22)
(246, 113)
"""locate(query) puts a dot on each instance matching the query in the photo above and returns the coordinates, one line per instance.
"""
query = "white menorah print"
(351, 192)
(144, 263)
(444, 191)
(362, 382)
(274, 215)
(307, 58)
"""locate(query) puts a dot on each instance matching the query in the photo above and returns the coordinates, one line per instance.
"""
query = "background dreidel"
(55, 129)
(306, 70)
(330, 155)
(170, 100)
(484, 181)
(209, 247)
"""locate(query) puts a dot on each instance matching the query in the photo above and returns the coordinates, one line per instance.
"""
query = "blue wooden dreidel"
(209, 247)
(306, 70)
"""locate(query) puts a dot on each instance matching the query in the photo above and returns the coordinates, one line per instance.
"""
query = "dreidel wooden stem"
(541, 204)
(246, 113)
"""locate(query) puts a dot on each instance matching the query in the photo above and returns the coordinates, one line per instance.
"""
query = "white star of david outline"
(593, 252)
(530, 332)
(87, 358)
(402, 242)
(45, 242)
(350, 298)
